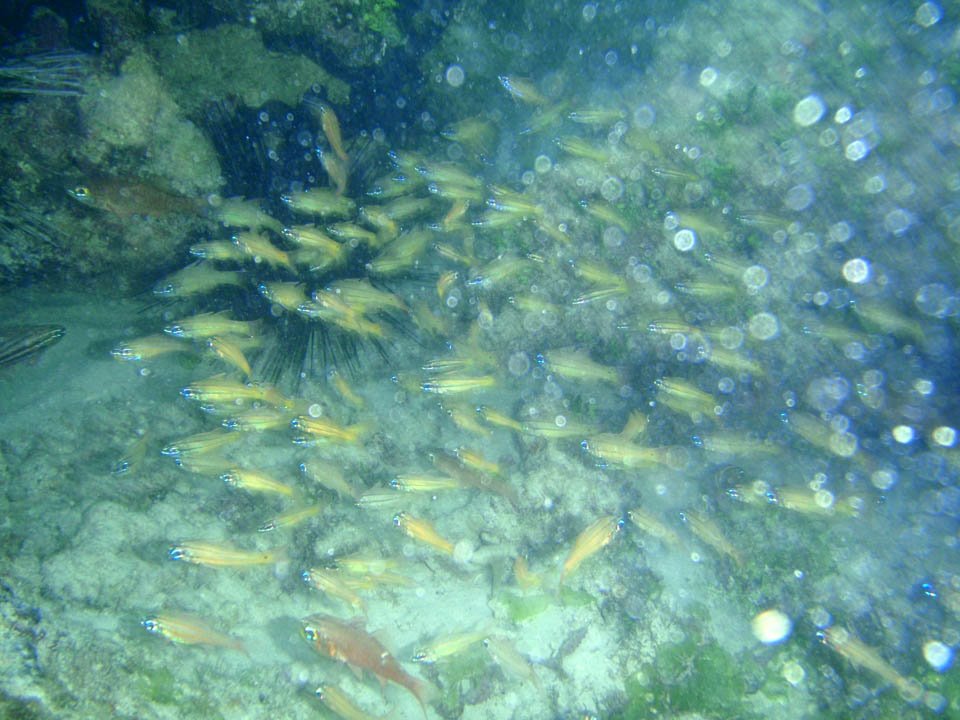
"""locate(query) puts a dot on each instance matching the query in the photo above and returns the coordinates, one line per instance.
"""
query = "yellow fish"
(205, 325)
(447, 646)
(710, 533)
(423, 531)
(597, 535)
(149, 347)
(526, 579)
(189, 630)
(522, 89)
(847, 645)
(262, 250)
(199, 552)
(254, 481)
(220, 389)
(329, 430)
(332, 583)
(291, 518)
(337, 702)
(200, 444)
(331, 128)
(230, 353)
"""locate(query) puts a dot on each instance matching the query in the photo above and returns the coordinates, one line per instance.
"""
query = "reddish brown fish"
(125, 197)
(351, 644)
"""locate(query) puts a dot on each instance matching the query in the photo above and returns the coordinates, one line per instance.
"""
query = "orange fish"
(349, 643)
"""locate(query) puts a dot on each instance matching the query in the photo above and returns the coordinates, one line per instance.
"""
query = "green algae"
(160, 686)
(689, 677)
(521, 608)
(576, 598)
(231, 61)
(22, 709)
(380, 16)
(131, 116)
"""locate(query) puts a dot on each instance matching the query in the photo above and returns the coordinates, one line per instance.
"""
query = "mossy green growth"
(232, 61)
(690, 677)
(640, 700)
(159, 686)
(467, 665)
(134, 114)
(380, 17)
(471, 663)
(575, 598)
(523, 607)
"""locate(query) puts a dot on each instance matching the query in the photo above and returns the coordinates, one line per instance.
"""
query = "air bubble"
(856, 151)
(611, 189)
(883, 480)
(764, 326)
(755, 277)
(518, 363)
(944, 436)
(771, 627)
(799, 197)
(644, 116)
(455, 76)
(938, 655)
(613, 237)
(903, 434)
(928, 14)
(685, 240)
(809, 111)
(856, 271)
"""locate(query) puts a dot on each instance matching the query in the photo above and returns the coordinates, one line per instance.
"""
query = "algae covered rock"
(231, 61)
(134, 113)
(356, 32)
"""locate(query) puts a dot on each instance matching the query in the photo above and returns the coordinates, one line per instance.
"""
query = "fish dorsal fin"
(383, 637)
(358, 623)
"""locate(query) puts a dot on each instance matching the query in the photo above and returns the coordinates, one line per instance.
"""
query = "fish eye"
(80, 192)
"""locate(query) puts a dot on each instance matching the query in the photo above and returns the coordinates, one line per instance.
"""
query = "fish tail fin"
(426, 693)
(240, 646)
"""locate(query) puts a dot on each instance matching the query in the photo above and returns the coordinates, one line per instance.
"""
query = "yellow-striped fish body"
(189, 630)
(220, 555)
(337, 702)
(597, 535)
(331, 129)
(423, 531)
